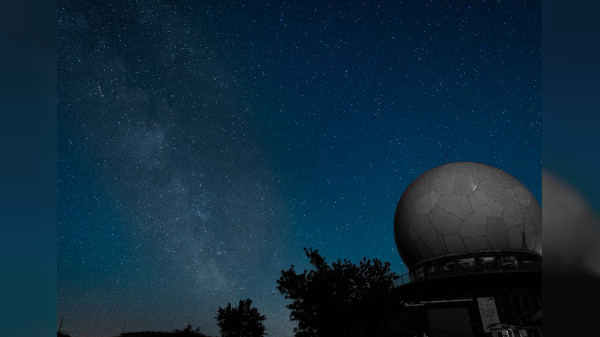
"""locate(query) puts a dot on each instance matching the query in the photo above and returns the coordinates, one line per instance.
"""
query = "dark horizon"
(201, 146)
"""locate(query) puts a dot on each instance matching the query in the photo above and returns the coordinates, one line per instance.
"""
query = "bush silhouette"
(189, 332)
(242, 321)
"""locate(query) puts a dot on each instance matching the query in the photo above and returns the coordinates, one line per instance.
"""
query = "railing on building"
(482, 263)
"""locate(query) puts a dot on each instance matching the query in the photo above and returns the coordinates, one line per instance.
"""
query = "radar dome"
(466, 207)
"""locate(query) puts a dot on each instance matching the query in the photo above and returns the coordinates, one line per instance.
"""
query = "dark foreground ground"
(153, 334)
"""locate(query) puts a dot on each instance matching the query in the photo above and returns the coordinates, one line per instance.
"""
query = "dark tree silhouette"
(343, 299)
(189, 332)
(242, 321)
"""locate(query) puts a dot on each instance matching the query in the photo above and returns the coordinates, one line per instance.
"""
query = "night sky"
(202, 145)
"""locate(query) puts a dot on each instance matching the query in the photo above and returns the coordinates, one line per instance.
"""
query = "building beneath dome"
(471, 237)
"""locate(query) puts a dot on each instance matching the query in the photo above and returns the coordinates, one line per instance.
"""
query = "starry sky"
(203, 144)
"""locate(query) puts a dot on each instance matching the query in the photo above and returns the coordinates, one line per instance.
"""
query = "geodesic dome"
(466, 207)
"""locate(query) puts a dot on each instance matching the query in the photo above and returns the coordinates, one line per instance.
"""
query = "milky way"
(201, 146)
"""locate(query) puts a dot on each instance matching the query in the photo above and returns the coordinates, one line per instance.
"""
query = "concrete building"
(471, 237)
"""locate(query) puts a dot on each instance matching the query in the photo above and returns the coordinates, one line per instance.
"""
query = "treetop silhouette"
(342, 298)
(243, 321)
